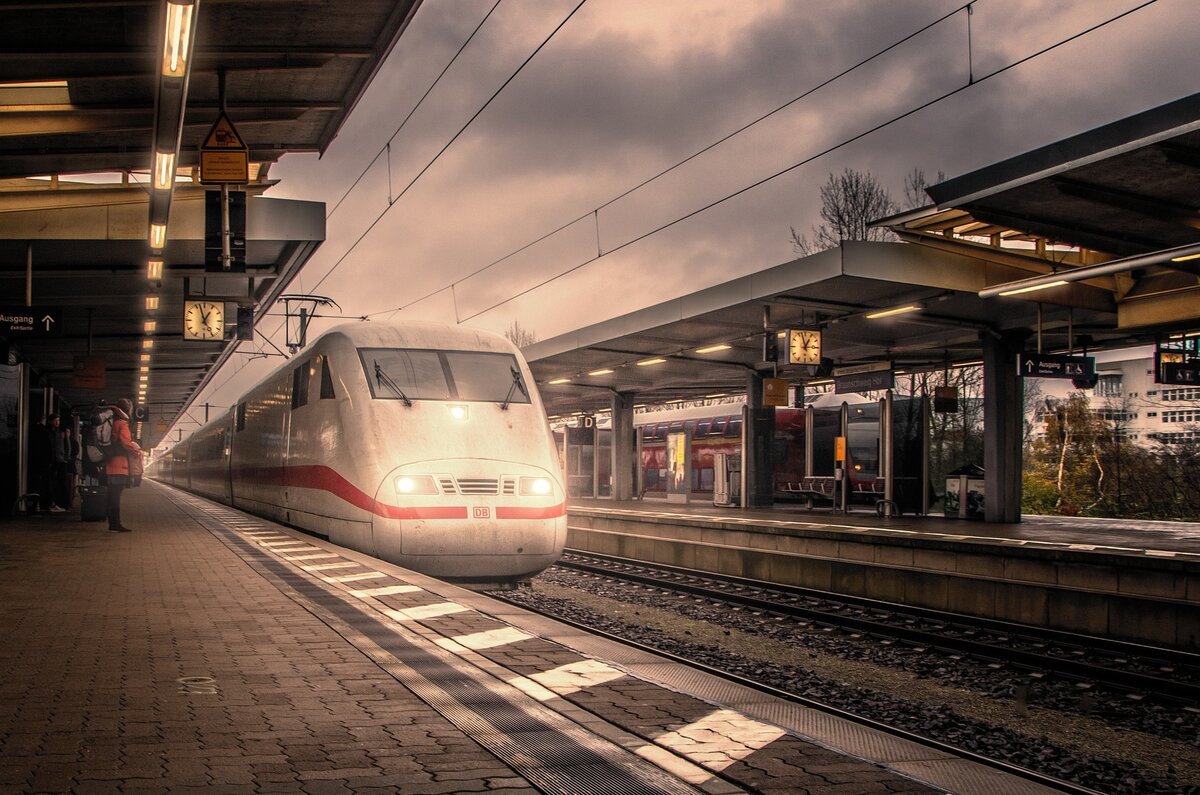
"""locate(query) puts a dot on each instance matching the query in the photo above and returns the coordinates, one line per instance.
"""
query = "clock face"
(804, 346)
(204, 320)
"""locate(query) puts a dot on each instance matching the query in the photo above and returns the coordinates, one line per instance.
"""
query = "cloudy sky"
(627, 89)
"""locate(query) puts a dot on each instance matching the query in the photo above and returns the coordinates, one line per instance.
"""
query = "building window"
(1108, 385)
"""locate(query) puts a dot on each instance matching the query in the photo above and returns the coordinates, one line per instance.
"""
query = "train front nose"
(470, 520)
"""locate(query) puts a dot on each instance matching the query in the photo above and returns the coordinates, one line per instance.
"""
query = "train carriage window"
(718, 426)
(300, 378)
(703, 427)
(241, 416)
(734, 428)
(326, 380)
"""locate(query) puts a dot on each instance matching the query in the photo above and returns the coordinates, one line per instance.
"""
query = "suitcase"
(93, 503)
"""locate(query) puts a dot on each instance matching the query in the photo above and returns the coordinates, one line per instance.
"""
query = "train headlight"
(416, 484)
(459, 413)
(535, 487)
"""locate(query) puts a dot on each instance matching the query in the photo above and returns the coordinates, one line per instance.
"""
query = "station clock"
(804, 346)
(203, 319)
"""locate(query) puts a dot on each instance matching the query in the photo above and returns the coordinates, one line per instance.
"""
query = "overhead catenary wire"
(971, 83)
(709, 147)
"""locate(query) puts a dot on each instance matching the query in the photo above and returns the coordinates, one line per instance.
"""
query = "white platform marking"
(311, 557)
(426, 611)
(576, 676)
(291, 542)
(486, 640)
(720, 738)
(327, 566)
(366, 575)
(387, 590)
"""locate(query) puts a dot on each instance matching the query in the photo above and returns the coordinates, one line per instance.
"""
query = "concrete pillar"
(624, 447)
(758, 431)
(1003, 415)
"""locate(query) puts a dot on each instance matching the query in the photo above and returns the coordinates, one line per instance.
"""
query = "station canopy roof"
(1103, 198)
(82, 112)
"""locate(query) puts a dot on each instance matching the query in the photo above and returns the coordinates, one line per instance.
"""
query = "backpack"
(98, 436)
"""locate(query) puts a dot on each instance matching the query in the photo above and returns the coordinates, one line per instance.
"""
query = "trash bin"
(965, 493)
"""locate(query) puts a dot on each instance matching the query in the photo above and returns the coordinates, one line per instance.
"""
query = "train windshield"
(404, 374)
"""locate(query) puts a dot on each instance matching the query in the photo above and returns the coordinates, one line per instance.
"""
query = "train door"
(581, 460)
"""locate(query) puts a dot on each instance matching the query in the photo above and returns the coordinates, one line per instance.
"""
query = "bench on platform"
(818, 487)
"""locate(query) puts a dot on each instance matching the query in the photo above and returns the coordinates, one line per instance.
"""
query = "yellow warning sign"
(224, 157)
(223, 135)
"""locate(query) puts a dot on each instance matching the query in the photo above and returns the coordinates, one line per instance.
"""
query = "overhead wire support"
(450, 143)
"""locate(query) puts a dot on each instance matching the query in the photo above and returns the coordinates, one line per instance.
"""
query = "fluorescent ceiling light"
(974, 363)
(559, 381)
(151, 325)
(143, 369)
(164, 170)
(600, 372)
(145, 357)
(158, 235)
(178, 36)
(151, 302)
(1030, 288)
(147, 344)
(717, 395)
(647, 362)
(714, 348)
(154, 268)
(899, 310)
(1186, 258)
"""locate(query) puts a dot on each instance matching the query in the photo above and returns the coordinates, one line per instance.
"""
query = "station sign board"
(1178, 365)
(31, 321)
(1049, 365)
(869, 377)
(775, 392)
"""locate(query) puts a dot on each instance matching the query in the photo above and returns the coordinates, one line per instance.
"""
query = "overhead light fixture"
(714, 348)
(158, 235)
(1032, 287)
(559, 381)
(164, 170)
(177, 39)
(1163, 257)
(898, 310)
(648, 362)
(143, 378)
(151, 303)
(145, 357)
(150, 326)
(716, 395)
(154, 269)
(143, 369)
(600, 372)
(973, 363)
(147, 344)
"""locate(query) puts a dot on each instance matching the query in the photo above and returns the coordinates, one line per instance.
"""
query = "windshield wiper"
(383, 378)
(516, 384)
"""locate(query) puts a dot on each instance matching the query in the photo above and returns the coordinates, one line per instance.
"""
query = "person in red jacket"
(116, 468)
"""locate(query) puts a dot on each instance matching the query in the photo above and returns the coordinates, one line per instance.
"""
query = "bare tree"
(849, 203)
(519, 335)
(915, 185)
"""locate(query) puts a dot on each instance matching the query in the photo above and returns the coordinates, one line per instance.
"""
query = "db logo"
(482, 513)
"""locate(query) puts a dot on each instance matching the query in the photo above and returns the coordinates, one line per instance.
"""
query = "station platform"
(212, 650)
(1123, 579)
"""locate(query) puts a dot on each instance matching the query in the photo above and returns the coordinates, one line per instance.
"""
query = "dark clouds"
(628, 88)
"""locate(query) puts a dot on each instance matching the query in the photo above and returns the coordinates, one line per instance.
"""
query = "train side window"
(703, 427)
(300, 378)
(718, 426)
(734, 428)
(326, 380)
(241, 416)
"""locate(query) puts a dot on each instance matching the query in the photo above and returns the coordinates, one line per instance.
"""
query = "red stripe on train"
(316, 476)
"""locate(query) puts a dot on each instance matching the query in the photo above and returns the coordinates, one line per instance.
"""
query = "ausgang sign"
(1048, 365)
(30, 321)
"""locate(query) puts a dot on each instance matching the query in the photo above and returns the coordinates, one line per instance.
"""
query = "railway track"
(1135, 670)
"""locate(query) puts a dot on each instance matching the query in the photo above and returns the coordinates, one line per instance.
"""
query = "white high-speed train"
(424, 445)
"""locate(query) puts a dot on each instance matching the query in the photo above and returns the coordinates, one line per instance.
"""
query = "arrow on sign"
(47, 321)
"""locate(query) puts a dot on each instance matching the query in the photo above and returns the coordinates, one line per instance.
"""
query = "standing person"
(40, 459)
(60, 448)
(117, 466)
(73, 450)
